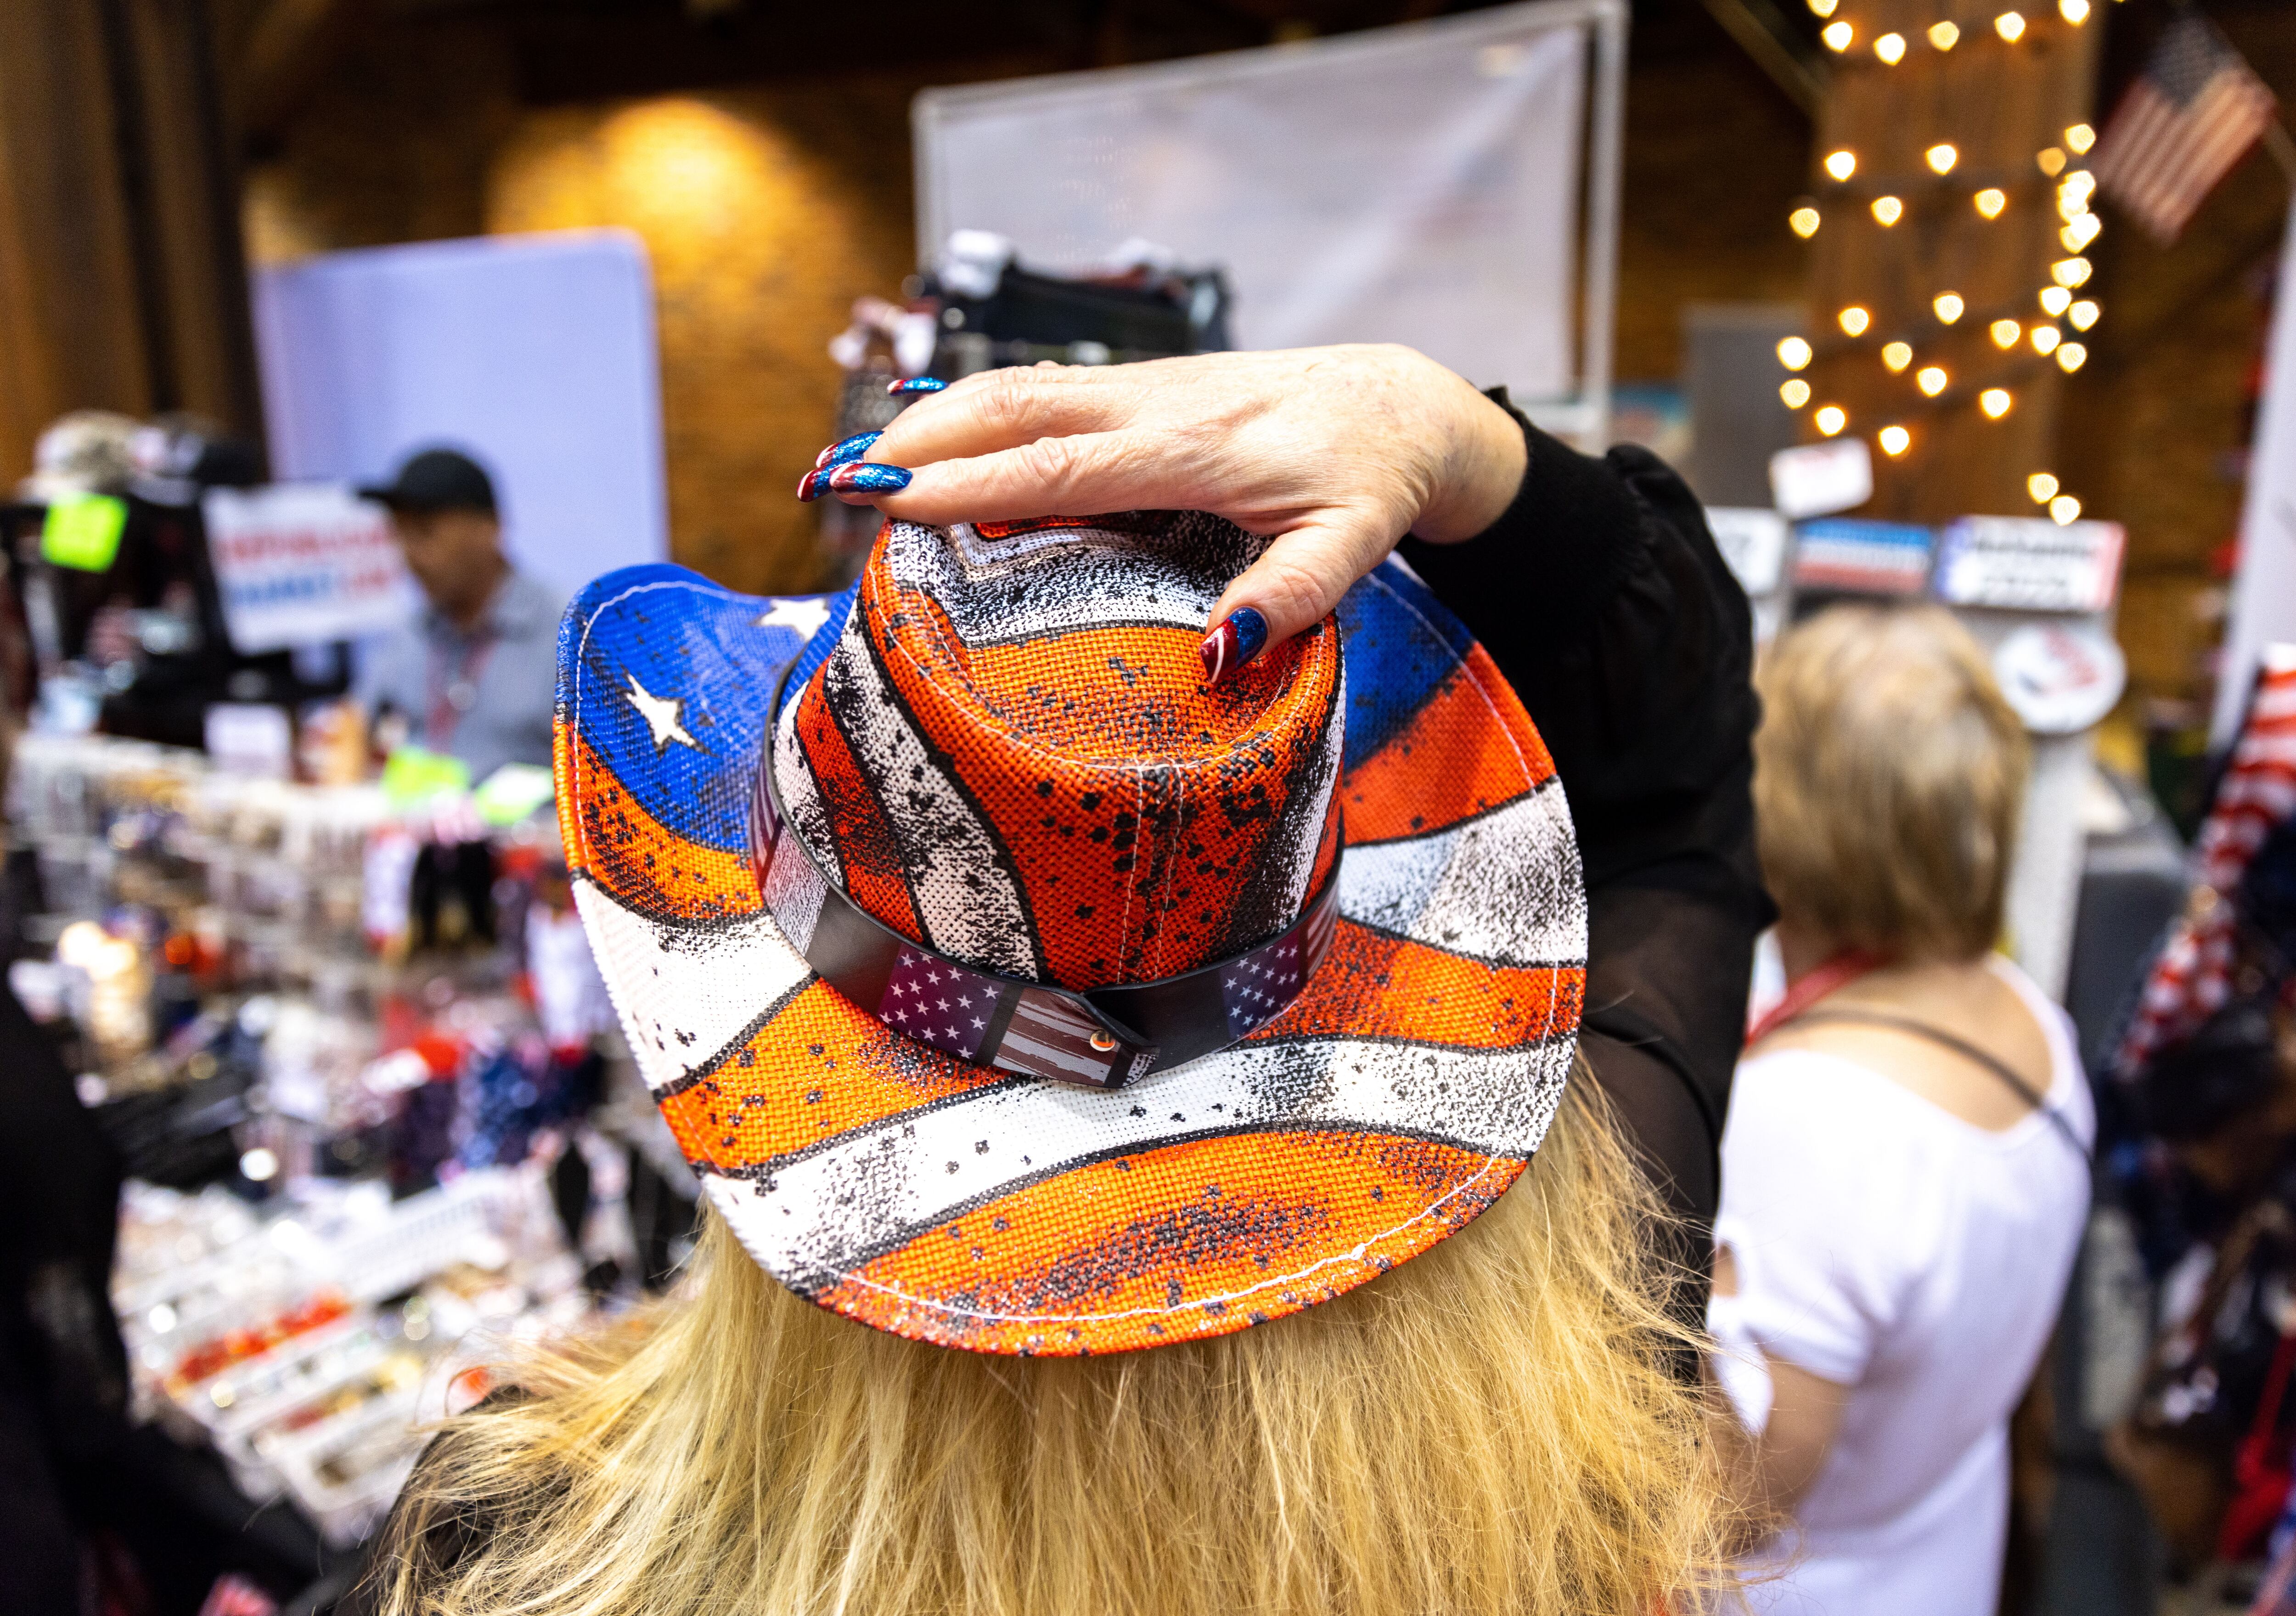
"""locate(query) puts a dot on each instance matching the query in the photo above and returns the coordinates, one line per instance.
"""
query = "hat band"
(1104, 1038)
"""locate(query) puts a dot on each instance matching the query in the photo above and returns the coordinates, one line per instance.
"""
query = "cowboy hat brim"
(1388, 1105)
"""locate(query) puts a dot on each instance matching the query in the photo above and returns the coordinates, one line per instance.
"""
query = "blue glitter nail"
(812, 485)
(918, 384)
(1250, 633)
(868, 477)
(846, 448)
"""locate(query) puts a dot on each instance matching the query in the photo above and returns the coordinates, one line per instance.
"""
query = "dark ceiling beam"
(1764, 34)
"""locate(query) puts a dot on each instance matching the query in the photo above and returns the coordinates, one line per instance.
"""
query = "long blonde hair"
(1491, 1427)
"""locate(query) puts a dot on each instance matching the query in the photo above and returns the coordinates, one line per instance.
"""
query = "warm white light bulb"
(1932, 380)
(1823, 8)
(1888, 210)
(2064, 508)
(2070, 356)
(1803, 222)
(1795, 392)
(2083, 315)
(2010, 26)
(2045, 338)
(1838, 35)
(1941, 157)
(1948, 306)
(1793, 352)
(1895, 441)
(1896, 355)
(2005, 333)
(1890, 48)
(2069, 272)
(2051, 159)
(1995, 401)
(1831, 419)
(2075, 11)
(1990, 201)
(2042, 486)
(2080, 137)
(2080, 232)
(1855, 320)
(2054, 299)
(1943, 35)
(1842, 164)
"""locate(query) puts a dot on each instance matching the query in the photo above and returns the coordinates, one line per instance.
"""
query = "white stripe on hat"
(1471, 890)
(819, 1218)
(969, 900)
(685, 994)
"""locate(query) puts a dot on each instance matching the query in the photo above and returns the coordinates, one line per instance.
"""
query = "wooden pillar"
(2003, 106)
(121, 281)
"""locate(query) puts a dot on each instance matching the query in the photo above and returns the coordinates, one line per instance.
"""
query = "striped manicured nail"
(868, 477)
(1235, 642)
(916, 384)
(813, 485)
(846, 448)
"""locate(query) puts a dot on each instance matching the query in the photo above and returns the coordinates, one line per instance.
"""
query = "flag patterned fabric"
(2191, 115)
(2190, 976)
(865, 1163)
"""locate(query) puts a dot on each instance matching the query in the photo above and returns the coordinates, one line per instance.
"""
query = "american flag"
(2192, 114)
(2190, 976)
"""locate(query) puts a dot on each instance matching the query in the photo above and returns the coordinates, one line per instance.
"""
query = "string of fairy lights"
(2064, 314)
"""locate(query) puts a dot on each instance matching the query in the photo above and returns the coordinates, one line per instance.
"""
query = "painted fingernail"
(916, 384)
(812, 485)
(868, 477)
(846, 448)
(1243, 636)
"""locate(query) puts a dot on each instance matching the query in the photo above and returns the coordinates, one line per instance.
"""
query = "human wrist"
(1483, 471)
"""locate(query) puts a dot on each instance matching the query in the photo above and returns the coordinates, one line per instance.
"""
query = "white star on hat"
(660, 714)
(806, 617)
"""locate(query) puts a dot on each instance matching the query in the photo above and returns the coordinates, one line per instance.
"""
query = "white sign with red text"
(302, 563)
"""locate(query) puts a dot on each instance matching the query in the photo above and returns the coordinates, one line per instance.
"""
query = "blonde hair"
(1491, 1427)
(1889, 776)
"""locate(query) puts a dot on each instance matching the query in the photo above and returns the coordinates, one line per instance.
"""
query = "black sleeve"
(1602, 597)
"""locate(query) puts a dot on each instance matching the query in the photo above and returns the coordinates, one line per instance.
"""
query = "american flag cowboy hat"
(1009, 987)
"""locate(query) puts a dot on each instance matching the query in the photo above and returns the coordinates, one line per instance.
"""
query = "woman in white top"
(1905, 1164)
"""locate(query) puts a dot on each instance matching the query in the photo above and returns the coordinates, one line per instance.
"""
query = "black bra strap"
(1959, 1045)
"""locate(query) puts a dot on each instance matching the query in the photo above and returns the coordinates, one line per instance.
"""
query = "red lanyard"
(1812, 986)
(445, 713)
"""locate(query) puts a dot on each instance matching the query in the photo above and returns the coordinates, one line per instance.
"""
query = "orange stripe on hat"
(1105, 849)
(645, 865)
(1374, 986)
(818, 1067)
(1195, 1239)
(870, 855)
(1451, 762)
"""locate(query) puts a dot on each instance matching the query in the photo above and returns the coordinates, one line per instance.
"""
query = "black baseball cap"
(436, 480)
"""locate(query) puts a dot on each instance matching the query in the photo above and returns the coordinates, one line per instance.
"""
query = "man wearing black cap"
(474, 674)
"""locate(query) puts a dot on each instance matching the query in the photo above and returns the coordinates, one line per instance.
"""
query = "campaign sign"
(1859, 557)
(2029, 563)
(302, 563)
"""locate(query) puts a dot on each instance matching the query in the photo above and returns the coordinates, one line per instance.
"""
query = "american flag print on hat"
(1000, 747)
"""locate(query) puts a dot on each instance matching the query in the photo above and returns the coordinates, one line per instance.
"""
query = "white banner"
(2264, 587)
(1414, 184)
(302, 563)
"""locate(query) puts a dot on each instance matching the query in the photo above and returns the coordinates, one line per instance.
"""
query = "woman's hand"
(1338, 452)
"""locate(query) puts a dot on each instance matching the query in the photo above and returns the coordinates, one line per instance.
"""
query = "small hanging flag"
(2192, 114)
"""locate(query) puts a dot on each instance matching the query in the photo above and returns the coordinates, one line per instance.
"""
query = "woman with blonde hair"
(1906, 1157)
(1110, 976)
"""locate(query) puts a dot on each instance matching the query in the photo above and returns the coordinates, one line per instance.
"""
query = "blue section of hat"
(668, 678)
(1401, 644)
